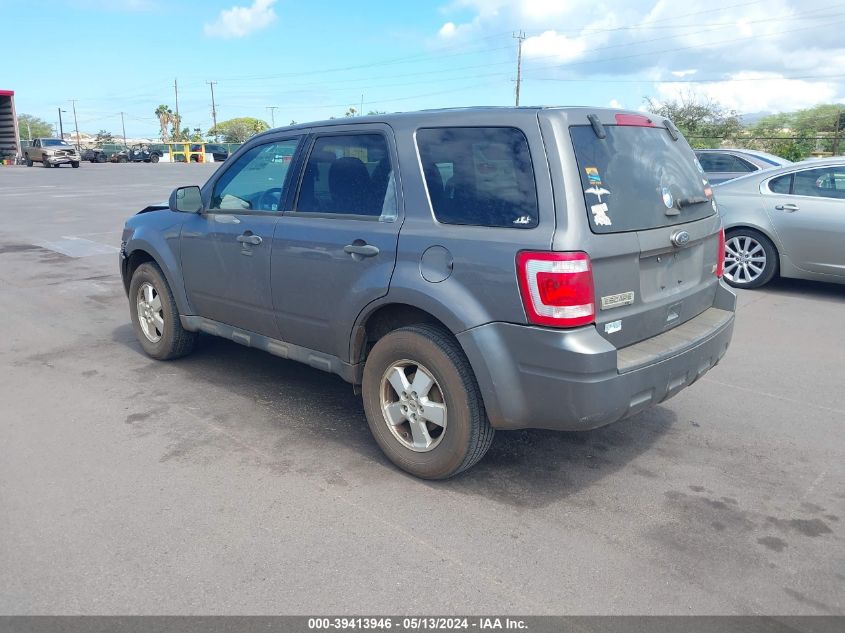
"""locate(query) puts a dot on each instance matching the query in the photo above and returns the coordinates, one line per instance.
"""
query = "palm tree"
(165, 118)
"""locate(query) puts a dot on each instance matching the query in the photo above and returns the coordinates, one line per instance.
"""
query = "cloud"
(552, 44)
(447, 30)
(241, 21)
(756, 92)
(795, 45)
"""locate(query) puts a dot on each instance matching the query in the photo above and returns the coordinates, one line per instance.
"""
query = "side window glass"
(823, 182)
(711, 162)
(479, 176)
(781, 184)
(257, 180)
(743, 165)
(349, 174)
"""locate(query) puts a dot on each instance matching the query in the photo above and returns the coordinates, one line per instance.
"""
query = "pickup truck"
(51, 152)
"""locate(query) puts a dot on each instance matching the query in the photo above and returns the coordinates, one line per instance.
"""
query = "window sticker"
(600, 214)
(593, 175)
(597, 191)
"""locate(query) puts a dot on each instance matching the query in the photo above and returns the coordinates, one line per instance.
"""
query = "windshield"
(638, 178)
(54, 142)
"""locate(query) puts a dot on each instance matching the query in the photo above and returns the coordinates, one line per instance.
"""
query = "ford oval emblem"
(679, 238)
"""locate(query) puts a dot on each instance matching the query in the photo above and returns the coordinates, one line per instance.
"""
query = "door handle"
(787, 207)
(249, 238)
(364, 250)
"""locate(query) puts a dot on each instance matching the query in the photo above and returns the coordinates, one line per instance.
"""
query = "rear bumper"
(534, 377)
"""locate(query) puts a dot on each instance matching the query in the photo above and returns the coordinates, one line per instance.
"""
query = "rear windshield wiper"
(688, 202)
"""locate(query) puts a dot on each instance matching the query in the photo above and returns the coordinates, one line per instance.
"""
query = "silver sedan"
(788, 221)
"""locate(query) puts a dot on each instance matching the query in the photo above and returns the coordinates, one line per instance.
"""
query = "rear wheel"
(750, 258)
(75, 165)
(155, 317)
(154, 158)
(423, 403)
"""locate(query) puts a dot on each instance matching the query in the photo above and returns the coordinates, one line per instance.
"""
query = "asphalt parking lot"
(233, 482)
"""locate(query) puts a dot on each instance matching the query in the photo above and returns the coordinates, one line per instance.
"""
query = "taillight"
(556, 288)
(720, 255)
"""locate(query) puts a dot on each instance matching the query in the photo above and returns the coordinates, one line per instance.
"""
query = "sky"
(314, 59)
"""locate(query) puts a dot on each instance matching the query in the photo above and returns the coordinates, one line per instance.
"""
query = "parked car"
(788, 222)
(220, 152)
(137, 154)
(51, 152)
(721, 165)
(94, 155)
(466, 270)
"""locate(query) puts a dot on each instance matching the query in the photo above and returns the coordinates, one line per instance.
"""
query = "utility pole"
(361, 111)
(836, 131)
(272, 115)
(178, 133)
(28, 130)
(75, 124)
(213, 108)
(519, 37)
(123, 125)
(61, 127)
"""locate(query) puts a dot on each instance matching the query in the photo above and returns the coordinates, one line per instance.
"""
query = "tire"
(751, 260)
(100, 158)
(169, 340)
(75, 165)
(28, 161)
(453, 394)
(45, 162)
(154, 158)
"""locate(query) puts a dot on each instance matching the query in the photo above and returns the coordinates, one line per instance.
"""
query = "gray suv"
(465, 270)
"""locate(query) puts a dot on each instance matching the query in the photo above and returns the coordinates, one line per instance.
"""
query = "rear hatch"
(653, 231)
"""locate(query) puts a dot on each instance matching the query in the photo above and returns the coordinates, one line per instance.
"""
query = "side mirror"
(186, 200)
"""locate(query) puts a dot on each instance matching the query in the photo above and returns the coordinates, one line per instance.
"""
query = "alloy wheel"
(413, 406)
(150, 313)
(745, 259)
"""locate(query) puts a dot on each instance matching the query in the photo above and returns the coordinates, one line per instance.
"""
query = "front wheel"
(750, 258)
(155, 317)
(154, 158)
(75, 165)
(423, 404)
(45, 162)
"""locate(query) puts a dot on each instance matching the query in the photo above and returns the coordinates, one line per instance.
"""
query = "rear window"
(479, 176)
(638, 178)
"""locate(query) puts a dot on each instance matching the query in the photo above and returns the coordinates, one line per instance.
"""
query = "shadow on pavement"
(529, 468)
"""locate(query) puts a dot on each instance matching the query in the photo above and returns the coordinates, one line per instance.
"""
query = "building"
(10, 138)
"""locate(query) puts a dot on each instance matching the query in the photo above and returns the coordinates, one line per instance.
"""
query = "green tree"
(238, 130)
(32, 127)
(794, 135)
(103, 137)
(704, 122)
(351, 112)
